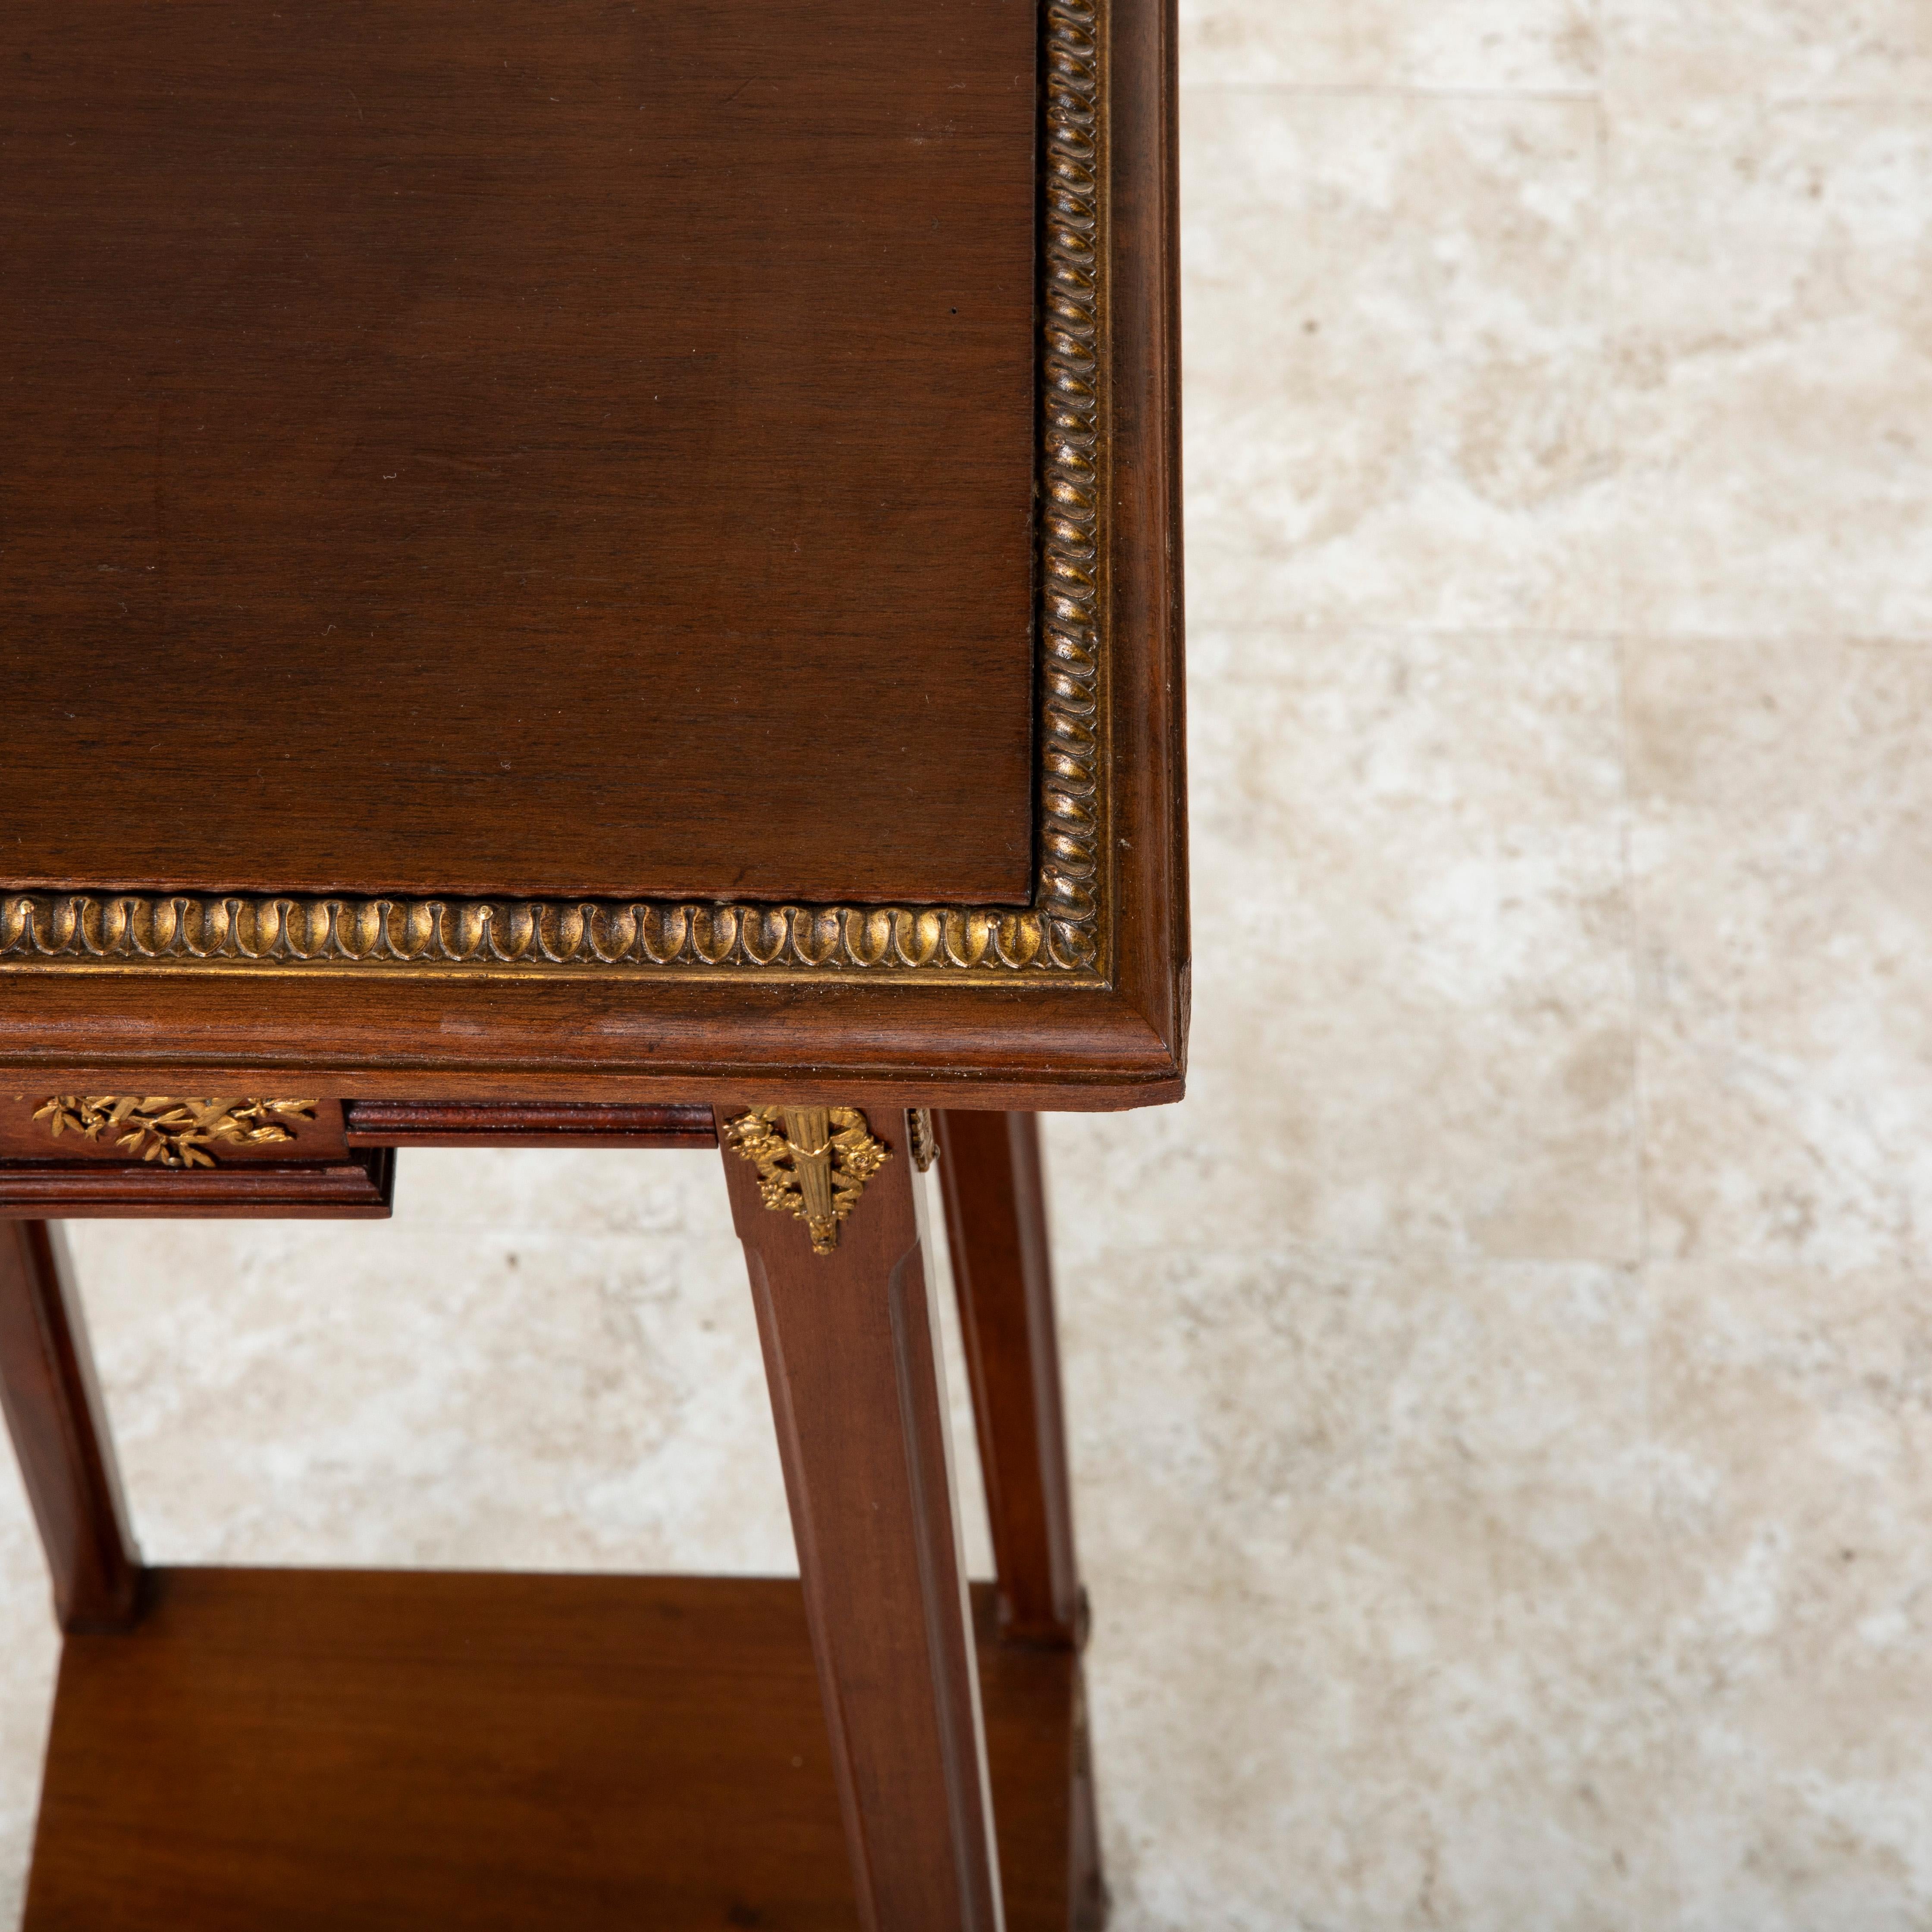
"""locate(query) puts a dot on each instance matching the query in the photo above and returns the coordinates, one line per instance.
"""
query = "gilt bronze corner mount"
(813, 1163)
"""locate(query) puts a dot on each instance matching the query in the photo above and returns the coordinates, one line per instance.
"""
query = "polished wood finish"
(1004, 1040)
(851, 1350)
(1088, 1901)
(990, 1180)
(360, 1186)
(59, 1426)
(1154, 968)
(909, 1048)
(313, 1750)
(462, 461)
(527, 1124)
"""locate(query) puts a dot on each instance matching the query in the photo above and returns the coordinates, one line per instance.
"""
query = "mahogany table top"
(591, 547)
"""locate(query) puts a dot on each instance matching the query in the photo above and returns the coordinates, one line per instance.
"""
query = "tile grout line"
(1865, 640)
(1607, 291)
(1604, 94)
(1373, 91)
(1620, 638)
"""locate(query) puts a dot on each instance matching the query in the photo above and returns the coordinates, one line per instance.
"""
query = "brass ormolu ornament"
(813, 1163)
(174, 1133)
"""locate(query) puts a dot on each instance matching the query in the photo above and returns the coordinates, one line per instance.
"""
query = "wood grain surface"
(990, 1180)
(851, 1349)
(359, 1186)
(58, 1423)
(526, 1124)
(310, 1750)
(581, 449)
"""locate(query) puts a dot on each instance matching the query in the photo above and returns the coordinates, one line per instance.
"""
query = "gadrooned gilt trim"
(1064, 933)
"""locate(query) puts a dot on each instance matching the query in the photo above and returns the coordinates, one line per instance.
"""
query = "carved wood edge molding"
(1065, 933)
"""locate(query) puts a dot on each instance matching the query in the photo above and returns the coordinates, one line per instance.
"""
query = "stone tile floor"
(1502, 1392)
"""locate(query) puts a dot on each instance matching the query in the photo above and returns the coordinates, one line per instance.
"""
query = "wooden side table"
(589, 573)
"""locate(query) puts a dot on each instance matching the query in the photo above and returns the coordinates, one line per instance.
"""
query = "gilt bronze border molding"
(1066, 931)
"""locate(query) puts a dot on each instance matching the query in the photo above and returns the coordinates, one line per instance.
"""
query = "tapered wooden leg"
(851, 1352)
(59, 1427)
(990, 1177)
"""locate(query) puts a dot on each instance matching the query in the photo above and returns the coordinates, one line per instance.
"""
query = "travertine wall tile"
(1541, 46)
(1792, 1413)
(1843, 49)
(1414, 1024)
(1406, 1607)
(1770, 281)
(1782, 848)
(1396, 408)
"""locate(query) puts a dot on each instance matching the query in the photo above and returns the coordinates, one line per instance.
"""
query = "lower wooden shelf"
(313, 1749)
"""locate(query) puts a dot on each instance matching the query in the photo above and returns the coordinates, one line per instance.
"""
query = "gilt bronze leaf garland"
(170, 1132)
